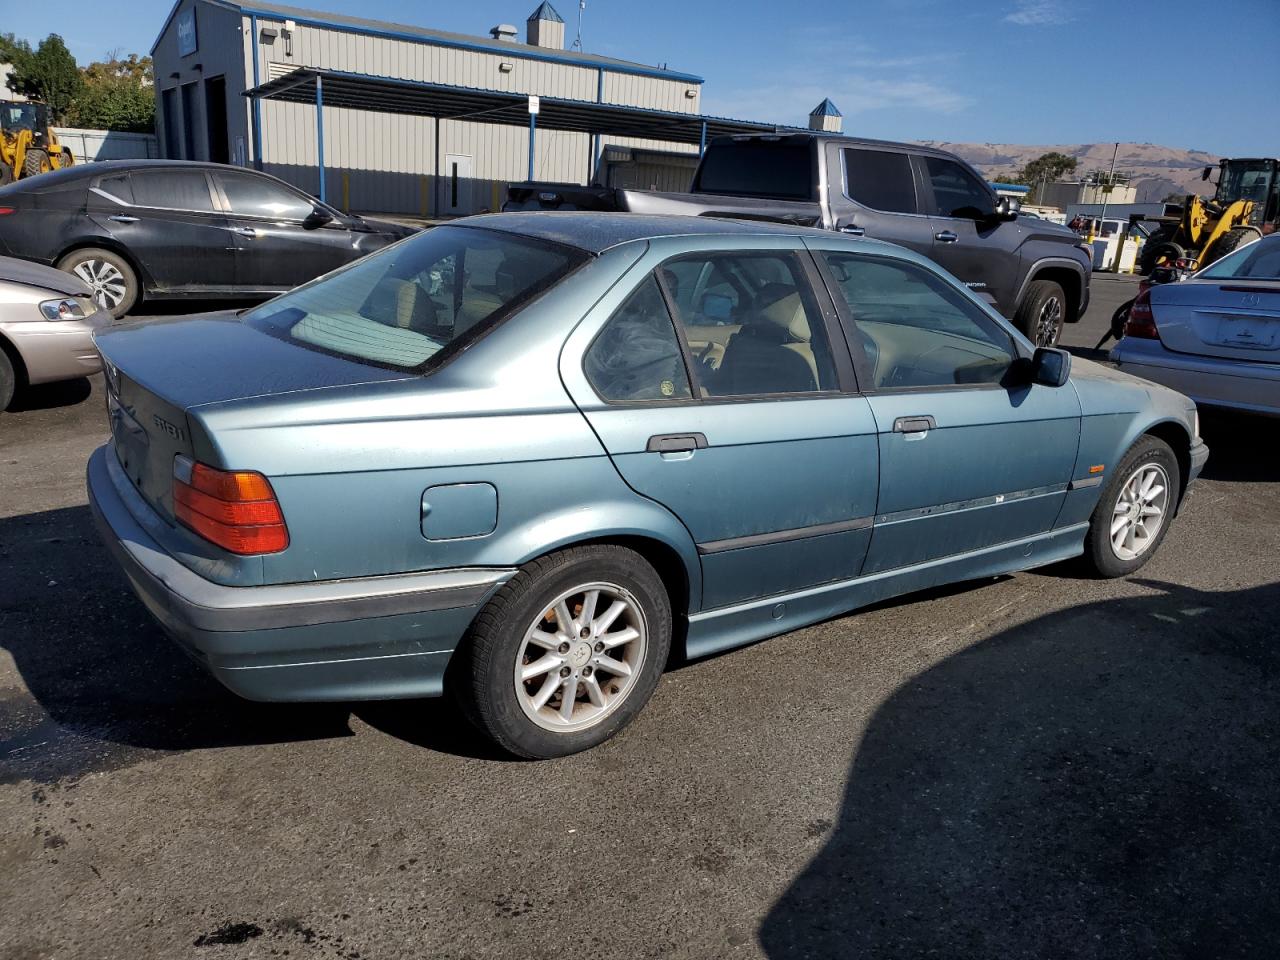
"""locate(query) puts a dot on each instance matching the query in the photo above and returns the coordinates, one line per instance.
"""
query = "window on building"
(881, 180)
(916, 329)
(172, 189)
(957, 192)
(637, 356)
(251, 196)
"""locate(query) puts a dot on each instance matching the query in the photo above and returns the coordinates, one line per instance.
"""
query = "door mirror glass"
(1007, 209)
(318, 217)
(1050, 367)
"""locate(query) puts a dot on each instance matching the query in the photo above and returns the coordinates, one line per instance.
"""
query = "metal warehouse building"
(383, 117)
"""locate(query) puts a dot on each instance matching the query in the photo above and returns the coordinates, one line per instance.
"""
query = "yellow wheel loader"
(28, 145)
(1245, 205)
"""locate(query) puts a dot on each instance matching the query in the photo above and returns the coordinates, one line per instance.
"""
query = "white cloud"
(1039, 13)
(789, 103)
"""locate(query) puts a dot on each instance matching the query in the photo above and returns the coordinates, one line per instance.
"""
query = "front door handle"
(676, 443)
(853, 230)
(122, 218)
(946, 236)
(246, 232)
(913, 424)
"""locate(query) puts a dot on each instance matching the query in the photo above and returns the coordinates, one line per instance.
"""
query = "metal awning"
(359, 91)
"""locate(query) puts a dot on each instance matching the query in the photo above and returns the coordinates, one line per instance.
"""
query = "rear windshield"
(780, 170)
(405, 307)
(1256, 261)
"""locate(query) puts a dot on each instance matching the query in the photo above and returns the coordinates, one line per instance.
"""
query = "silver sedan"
(47, 320)
(1216, 336)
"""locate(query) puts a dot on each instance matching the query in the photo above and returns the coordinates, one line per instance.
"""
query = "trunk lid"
(1227, 319)
(156, 372)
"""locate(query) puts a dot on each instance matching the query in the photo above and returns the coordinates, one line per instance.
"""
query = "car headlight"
(68, 309)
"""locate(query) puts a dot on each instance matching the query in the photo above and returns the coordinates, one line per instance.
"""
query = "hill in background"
(1156, 171)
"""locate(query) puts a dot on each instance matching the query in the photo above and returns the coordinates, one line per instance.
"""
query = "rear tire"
(114, 283)
(68, 159)
(6, 174)
(1133, 513)
(8, 381)
(496, 677)
(36, 162)
(1042, 312)
(1159, 244)
(1230, 242)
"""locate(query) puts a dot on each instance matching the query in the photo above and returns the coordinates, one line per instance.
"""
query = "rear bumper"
(1229, 384)
(56, 349)
(365, 638)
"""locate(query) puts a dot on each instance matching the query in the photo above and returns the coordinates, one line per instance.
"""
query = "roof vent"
(503, 31)
(545, 28)
(826, 117)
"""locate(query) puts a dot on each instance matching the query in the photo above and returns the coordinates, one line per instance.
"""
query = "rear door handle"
(946, 236)
(913, 424)
(853, 230)
(676, 443)
(122, 218)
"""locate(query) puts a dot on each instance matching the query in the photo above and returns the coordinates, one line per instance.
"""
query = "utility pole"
(1106, 195)
(577, 43)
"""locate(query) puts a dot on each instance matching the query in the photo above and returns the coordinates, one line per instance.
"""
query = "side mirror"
(1007, 209)
(1050, 367)
(318, 217)
(1204, 174)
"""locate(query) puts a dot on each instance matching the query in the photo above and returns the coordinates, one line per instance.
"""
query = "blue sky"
(1002, 71)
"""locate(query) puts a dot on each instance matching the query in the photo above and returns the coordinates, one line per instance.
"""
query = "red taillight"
(236, 510)
(5, 211)
(1142, 320)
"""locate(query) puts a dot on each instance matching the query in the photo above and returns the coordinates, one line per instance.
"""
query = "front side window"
(915, 328)
(957, 192)
(253, 196)
(751, 323)
(881, 180)
(172, 190)
(637, 356)
(402, 306)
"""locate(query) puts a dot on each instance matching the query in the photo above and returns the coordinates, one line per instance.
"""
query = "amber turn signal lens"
(236, 510)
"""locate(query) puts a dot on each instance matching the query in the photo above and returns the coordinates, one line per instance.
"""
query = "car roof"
(98, 168)
(596, 232)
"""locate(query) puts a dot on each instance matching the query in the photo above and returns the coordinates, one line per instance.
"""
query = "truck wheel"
(115, 285)
(1159, 244)
(1230, 242)
(567, 653)
(8, 381)
(36, 162)
(1042, 312)
(1134, 511)
(68, 159)
(6, 174)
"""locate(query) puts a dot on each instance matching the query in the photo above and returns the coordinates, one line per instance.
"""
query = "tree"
(1046, 168)
(117, 95)
(48, 73)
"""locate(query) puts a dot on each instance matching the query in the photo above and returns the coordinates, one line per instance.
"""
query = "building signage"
(186, 24)
(534, 102)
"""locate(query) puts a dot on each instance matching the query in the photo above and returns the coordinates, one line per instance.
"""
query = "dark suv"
(168, 228)
(931, 201)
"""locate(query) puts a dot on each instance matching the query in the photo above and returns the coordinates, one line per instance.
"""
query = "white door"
(457, 184)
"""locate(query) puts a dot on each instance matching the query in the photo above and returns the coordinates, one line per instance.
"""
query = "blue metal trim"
(702, 144)
(595, 139)
(533, 135)
(481, 47)
(257, 104)
(320, 132)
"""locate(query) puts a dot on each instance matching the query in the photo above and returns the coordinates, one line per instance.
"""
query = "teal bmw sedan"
(527, 459)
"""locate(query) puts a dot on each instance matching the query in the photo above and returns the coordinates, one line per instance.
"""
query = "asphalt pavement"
(1041, 765)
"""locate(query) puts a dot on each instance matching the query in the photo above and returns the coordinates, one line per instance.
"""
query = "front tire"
(1134, 511)
(567, 653)
(1042, 312)
(8, 381)
(112, 279)
(35, 163)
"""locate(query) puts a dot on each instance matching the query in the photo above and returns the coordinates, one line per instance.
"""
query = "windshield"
(1259, 260)
(18, 116)
(403, 306)
(780, 170)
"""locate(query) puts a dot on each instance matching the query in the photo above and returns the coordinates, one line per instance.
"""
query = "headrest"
(786, 311)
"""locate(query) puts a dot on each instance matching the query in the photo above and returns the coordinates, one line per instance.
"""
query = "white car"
(47, 320)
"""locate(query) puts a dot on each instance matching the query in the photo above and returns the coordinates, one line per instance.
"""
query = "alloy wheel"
(1049, 322)
(1139, 511)
(581, 658)
(106, 281)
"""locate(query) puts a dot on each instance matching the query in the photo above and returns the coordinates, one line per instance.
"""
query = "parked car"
(1216, 335)
(528, 456)
(47, 320)
(928, 200)
(158, 229)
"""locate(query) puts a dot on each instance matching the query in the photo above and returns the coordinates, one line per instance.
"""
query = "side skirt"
(712, 631)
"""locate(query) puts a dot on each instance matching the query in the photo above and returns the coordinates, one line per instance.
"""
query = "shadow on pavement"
(47, 396)
(1242, 447)
(1103, 782)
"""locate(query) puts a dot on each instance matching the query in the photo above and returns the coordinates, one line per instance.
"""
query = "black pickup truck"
(1034, 271)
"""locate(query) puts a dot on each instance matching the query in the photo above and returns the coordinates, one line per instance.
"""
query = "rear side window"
(258, 197)
(758, 169)
(403, 305)
(172, 190)
(118, 187)
(637, 356)
(880, 180)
